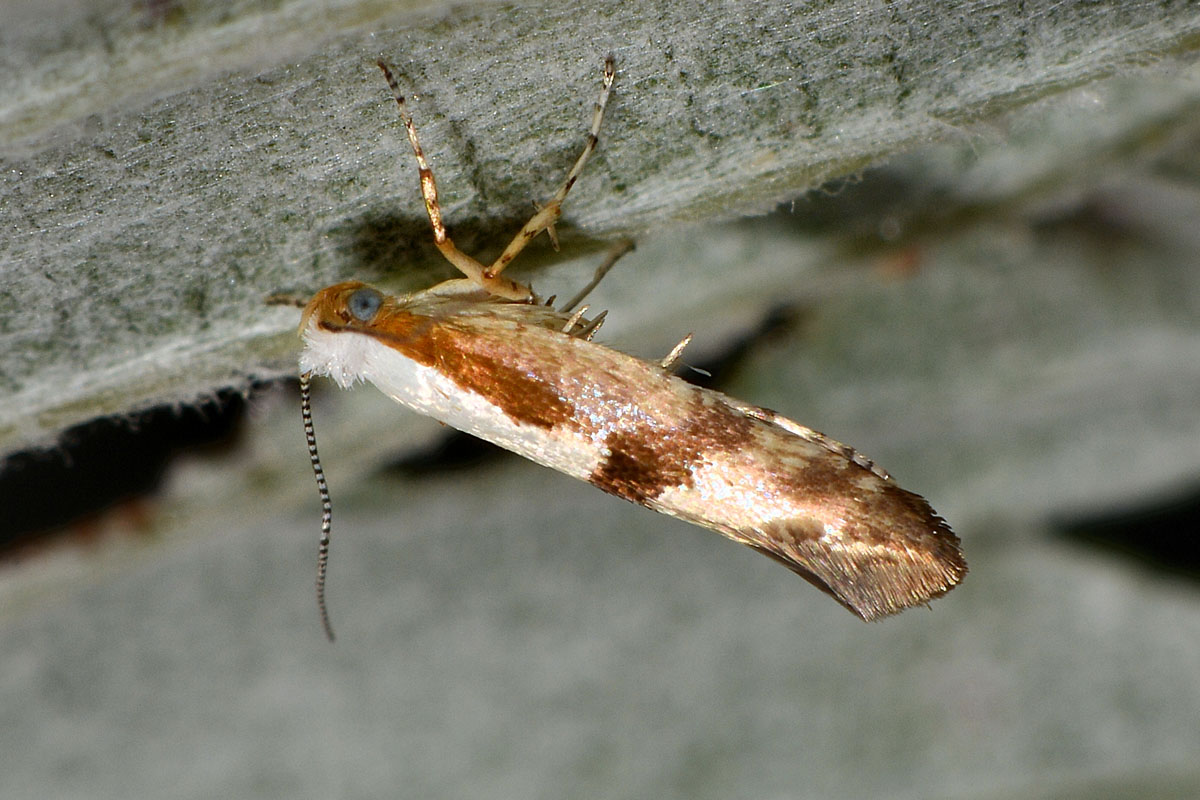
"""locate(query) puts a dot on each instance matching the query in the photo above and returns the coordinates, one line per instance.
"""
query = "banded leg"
(548, 214)
(463, 262)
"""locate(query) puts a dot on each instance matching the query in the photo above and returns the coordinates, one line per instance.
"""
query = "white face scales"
(482, 355)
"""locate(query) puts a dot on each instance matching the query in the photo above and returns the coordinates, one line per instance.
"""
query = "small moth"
(483, 355)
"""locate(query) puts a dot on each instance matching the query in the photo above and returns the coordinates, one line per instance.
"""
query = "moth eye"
(364, 304)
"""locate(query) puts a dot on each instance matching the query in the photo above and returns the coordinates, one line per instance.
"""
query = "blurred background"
(966, 246)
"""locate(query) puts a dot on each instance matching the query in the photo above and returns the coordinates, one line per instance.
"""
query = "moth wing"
(880, 550)
(873, 580)
(469, 309)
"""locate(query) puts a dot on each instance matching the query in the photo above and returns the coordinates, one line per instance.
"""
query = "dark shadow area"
(1162, 534)
(384, 245)
(104, 463)
(380, 244)
(897, 205)
(454, 451)
(883, 208)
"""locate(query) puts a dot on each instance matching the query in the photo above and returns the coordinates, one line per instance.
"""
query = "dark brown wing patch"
(645, 461)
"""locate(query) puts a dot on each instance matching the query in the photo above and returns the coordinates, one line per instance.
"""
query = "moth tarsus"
(508, 368)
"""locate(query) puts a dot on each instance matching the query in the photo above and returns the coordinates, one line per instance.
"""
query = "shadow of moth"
(483, 355)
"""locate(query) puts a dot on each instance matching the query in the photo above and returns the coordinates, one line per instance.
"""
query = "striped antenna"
(326, 505)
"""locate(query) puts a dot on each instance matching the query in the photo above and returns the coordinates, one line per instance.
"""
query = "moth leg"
(673, 357)
(458, 287)
(614, 255)
(574, 320)
(549, 213)
(463, 262)
(588, 331)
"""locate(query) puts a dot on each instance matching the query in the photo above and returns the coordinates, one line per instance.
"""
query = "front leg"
(468, 266)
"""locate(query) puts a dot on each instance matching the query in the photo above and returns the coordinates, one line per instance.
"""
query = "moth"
(482, 354)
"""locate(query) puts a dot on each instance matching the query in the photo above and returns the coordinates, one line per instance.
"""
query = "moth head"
(348, 304)
(333, 326)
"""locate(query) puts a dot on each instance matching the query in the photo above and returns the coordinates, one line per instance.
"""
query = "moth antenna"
(574, 320)
(672, 358)
(326, 505)
(614, 255)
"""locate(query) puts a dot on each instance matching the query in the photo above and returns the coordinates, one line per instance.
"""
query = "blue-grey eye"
(364, 304)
